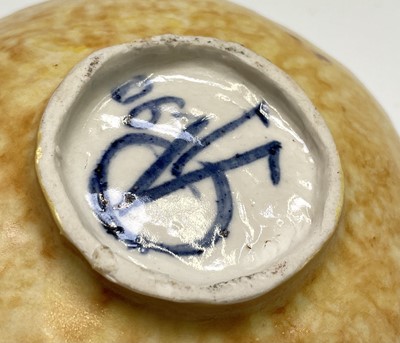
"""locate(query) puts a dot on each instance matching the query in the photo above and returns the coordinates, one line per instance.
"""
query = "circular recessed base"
(189, 169)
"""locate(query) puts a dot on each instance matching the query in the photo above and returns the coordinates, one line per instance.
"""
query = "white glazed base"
(290, 222)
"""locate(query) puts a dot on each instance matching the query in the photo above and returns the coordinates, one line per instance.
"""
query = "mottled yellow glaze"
(49, 294)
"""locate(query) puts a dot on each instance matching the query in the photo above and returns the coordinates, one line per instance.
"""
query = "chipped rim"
(160, 285)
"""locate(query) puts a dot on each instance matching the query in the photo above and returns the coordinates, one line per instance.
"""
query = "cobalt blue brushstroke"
(174, 151)
(236, 161)
(273, 163)
(98, 183)
(170, 153)
(215, 135)
(119, 93)
(217, 230)
(155, 108)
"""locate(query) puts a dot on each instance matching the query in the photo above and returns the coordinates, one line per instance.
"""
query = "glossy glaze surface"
(49, 294)
(163, 198)
(192, 169)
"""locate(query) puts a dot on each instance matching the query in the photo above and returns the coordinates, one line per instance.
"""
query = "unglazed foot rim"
(109, 256)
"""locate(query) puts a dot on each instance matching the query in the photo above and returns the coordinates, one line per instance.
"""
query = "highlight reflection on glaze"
(176, 154)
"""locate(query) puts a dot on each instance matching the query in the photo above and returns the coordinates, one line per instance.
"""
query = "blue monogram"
(175, 156)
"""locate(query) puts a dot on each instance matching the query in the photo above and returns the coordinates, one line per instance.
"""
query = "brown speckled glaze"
(49, 294)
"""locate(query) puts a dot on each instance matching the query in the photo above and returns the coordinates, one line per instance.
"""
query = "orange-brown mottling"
(49, 294)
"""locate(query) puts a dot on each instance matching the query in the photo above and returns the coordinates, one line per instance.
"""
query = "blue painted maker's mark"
(176, 155)
(126, 93)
